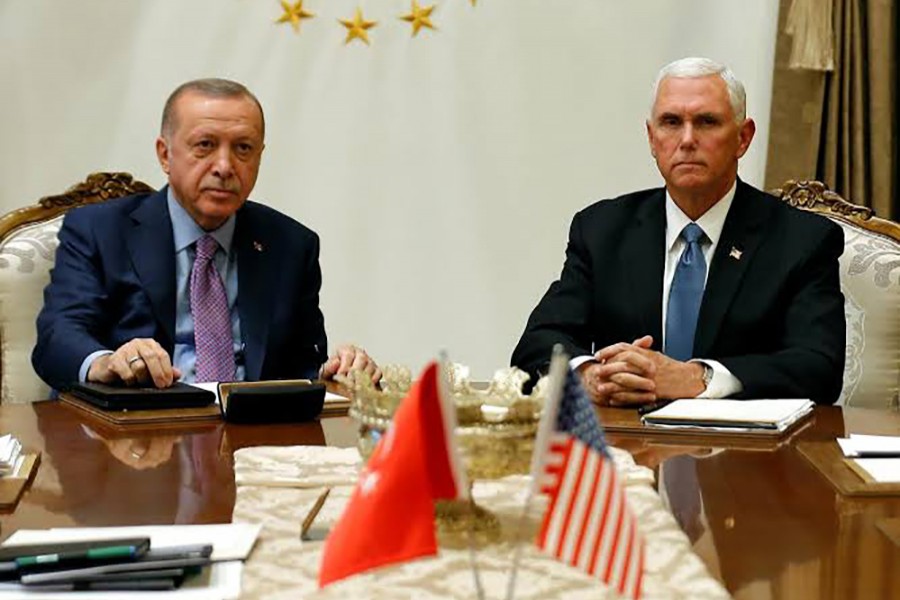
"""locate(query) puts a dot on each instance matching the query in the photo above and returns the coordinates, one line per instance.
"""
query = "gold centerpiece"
(496, 427)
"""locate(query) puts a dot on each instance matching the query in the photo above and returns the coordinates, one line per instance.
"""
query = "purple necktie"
(212, 320)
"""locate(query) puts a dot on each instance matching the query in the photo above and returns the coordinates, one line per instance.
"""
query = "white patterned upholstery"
(27, 252)
(26, 257)
(870, 281)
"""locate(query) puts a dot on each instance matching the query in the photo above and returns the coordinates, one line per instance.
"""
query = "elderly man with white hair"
(706, 287)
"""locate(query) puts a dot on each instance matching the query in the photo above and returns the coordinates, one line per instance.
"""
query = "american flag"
(588, 524)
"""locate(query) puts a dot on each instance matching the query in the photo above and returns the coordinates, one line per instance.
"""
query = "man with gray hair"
(706, 287)
(194, 282)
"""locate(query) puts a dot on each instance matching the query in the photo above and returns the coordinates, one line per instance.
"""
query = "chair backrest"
(27, 252)
(870, 280)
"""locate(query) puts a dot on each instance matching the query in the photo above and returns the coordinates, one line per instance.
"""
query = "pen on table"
(308, 521)
(107, 553)
(875, 454)
(648, 408)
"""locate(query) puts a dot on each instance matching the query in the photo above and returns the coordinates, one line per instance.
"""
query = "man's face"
(694, 137)
(212, 155)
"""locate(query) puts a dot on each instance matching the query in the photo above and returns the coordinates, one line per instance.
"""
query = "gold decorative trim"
(814, 196)
(98, 187)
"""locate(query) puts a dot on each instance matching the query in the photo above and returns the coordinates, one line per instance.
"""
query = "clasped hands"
(632, 374)
(143, 361)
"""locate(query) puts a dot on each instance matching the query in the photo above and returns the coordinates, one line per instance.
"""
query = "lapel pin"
(735, 253)
(259, 247)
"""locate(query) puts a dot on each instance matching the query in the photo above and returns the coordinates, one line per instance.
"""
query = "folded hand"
(630, 374)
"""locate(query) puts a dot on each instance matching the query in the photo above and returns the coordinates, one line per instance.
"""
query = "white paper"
(16, 470)
(882, 470)
(860, 445)
(745, 414)
(10, 454)
(334, 398)
(209, 386)
(231, 541)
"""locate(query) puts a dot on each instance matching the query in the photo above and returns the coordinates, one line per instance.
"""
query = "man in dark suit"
(193, 282)
(636, 304)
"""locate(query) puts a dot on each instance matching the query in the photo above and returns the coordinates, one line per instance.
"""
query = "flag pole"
(443, 362)
(558, 365)
(479, 589)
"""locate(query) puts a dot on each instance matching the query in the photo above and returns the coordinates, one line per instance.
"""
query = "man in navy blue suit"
(118, 308)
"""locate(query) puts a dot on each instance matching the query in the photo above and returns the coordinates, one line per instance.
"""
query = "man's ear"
(745, 136)
(162, 153)
(650, 138)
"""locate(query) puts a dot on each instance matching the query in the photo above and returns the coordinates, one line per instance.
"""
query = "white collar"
(711, 222)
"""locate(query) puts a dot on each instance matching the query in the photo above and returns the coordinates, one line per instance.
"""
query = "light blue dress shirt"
(186, 232)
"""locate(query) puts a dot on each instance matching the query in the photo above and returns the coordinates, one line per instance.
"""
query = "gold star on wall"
(358, 28)
(294, 14)
(419, 17)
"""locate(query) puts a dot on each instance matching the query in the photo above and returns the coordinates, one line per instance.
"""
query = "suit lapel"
(643, 255)
(150, 245)
(741, 235)
(257, 288)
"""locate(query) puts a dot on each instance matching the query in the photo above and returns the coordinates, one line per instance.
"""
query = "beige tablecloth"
(278, 485)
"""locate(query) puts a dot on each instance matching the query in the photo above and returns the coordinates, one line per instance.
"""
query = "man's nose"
(688, 136)
(224, 164)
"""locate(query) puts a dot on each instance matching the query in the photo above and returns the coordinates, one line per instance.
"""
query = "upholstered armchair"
(27, 251)
(870, 280)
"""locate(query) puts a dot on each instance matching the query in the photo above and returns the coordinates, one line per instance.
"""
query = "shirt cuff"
(86, 364)
(576, 362)
(723, 383)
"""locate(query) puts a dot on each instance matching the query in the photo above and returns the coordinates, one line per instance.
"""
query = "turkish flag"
(390, 515)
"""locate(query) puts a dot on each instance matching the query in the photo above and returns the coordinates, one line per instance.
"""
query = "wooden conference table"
(766, 522)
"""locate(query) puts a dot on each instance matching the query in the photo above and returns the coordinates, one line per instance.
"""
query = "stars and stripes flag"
(588, 524)
(390, 515)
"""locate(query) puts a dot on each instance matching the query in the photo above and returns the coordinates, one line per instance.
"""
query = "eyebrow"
(702, 115)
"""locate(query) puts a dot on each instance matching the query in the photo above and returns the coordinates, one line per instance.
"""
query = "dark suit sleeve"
(563, 314)
(312, 343)
(809, 360)
(73, 305)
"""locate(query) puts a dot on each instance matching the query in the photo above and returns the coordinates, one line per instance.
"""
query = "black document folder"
(110, 397)
(291, 401)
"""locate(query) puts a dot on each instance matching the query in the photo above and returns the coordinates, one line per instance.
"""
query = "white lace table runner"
(277, 486)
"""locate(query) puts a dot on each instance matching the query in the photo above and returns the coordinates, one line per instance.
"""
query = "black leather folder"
(110, 397)
(292, 401)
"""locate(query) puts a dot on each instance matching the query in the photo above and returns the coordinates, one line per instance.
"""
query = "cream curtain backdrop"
(441, 171)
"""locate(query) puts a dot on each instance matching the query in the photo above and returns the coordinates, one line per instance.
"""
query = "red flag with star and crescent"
(390, 515)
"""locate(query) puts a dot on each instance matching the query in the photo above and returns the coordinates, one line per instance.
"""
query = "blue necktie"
(685, 295)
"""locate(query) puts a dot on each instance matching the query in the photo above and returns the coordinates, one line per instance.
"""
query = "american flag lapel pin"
(735, 253)
(259, 247)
